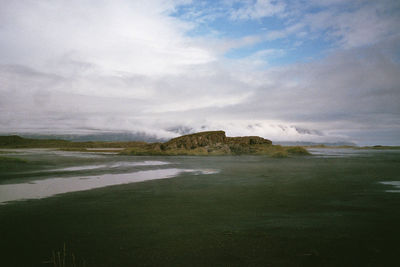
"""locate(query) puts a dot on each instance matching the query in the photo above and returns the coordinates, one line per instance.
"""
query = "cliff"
(212, 138)
(192, 141)
(248, 140)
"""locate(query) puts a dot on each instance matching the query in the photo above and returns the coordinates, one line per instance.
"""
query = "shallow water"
(115, 165)
(53, 186)
(67, 171)
(81, 171)
(347, 152)
(395, 184)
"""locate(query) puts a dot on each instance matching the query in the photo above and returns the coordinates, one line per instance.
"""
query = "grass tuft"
(64, 259)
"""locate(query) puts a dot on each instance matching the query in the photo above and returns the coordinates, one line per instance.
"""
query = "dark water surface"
(336, 208)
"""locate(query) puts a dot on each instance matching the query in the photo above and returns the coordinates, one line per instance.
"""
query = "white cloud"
(258, 9)
(128, 66)
(341, 23)
(365, 24)
(259, 60)
(335, 98)
(135, 37)
(289, 30)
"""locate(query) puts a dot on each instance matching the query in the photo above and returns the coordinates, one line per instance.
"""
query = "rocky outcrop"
(212, 139)
(248, 140)
(214, 143)
(192, 141)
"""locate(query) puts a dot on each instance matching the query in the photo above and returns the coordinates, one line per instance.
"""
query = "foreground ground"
(257, 211)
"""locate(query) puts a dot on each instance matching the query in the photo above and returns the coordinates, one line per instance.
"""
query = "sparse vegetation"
(64, 259)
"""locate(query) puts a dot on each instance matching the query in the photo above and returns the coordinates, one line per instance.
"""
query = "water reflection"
(395, 184)
(49, 187)
(108, 166)
(349, 152)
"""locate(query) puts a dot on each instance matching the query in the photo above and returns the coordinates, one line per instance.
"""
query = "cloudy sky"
(315, 70)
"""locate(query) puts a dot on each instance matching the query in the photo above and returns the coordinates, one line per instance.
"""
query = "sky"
(286, 70)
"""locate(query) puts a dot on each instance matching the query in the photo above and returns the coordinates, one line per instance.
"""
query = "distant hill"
(98, 136)
(15, 141)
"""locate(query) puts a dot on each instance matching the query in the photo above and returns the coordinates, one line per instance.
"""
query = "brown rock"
(248, 140)
(193, 141)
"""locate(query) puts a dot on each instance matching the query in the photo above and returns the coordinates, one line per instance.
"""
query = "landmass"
(15, 141)
(215, 143)
(197, 144)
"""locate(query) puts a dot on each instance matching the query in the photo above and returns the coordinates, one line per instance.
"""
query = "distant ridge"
(96, 136)
(15, 141)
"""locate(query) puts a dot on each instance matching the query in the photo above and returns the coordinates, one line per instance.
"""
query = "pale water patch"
(349, 152)
(115, 165)
(396, 185)
(77, 168)
(50, 187)
(139, 163)
(336, 152)
(207, 171)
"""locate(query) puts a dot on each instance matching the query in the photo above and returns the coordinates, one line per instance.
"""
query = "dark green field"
(257, 211)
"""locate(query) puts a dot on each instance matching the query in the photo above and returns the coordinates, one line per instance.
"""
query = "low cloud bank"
(58, 77)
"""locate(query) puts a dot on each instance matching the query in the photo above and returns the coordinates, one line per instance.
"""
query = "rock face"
(211, 139)
(192, 141)
(248, 140)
